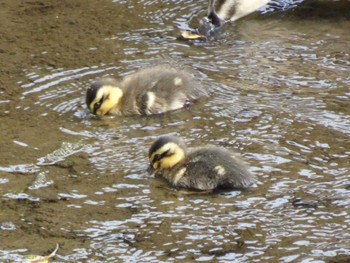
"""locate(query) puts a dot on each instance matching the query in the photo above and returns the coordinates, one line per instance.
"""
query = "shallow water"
(279, 96)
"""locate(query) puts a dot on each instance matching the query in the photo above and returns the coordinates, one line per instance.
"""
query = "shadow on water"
(279, 96)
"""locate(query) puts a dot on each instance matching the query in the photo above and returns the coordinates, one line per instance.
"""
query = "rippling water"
(279, 96)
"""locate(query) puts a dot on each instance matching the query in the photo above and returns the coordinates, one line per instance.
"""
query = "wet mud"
(45, 34)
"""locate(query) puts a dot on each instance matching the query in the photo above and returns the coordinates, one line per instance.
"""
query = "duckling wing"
(213, 167)
(198, 175)
(169, 92)
(159, 89)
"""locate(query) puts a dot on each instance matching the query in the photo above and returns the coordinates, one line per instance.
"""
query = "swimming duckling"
(203, 168)
(149, 91)
(222, 11)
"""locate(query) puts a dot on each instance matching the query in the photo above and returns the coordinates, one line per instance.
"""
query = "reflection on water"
(279, 97)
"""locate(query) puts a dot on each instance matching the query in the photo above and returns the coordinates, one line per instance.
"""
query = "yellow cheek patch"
(91, 107)
(101, 112)
(156, 165)
(170, 161)
(106, 106)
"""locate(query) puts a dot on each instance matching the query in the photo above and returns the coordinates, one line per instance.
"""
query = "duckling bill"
(203, 168)
(149, 91)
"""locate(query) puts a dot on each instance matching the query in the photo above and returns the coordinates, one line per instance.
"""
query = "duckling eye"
(98, 104)
(158, 157)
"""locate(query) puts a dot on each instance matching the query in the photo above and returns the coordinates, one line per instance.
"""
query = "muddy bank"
(44, 34)
(58, 34)
(54, 34)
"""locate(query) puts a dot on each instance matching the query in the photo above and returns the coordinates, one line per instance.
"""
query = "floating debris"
(40, 259)
(298, 202)
(189, 36)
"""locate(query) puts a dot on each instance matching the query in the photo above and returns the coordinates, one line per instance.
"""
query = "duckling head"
(166, 152)
(103, 96)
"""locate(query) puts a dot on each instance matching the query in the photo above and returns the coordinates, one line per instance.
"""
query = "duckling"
(222, 11)
(204, 168)
(154, 90)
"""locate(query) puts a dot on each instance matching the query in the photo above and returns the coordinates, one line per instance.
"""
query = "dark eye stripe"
(158, 157)
(98, 104)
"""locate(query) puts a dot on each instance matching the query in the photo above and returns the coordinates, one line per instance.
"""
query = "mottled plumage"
(202, 168)
(222, 11)
(231, 10)
(149, 91)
